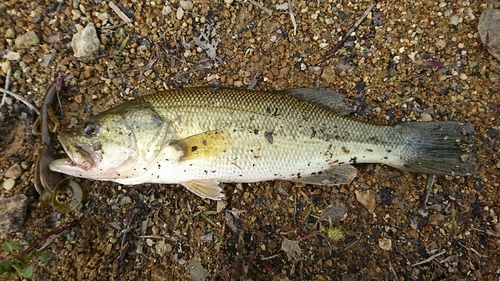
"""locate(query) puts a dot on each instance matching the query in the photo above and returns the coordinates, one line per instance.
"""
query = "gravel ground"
(406, 60)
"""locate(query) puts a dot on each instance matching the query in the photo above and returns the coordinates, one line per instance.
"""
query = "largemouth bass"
(199, 137)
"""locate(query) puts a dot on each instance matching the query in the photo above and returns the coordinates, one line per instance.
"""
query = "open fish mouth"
(80, 154)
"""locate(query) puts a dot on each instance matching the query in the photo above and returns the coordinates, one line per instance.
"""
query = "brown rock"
(367, 199)
(27, 40)
(14, 171)
(489, 31)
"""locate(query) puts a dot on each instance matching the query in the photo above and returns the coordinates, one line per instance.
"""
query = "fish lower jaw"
(68, 166)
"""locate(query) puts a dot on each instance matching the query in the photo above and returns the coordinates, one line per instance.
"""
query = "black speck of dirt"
(360, 87)
(86, 107)
(297, 65)
(478, 185)
(444, 91)
(422, 250)
(386, 195)
(422, 222)
(375, 235)
(492, 133)
(269, 137)
(476, 209)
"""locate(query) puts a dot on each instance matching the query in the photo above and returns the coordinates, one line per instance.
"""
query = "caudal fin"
(437, 148)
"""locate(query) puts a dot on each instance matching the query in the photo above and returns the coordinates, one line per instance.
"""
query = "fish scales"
(299, 134)
(199, 137)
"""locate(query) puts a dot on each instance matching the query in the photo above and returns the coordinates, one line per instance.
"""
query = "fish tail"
(437, 148)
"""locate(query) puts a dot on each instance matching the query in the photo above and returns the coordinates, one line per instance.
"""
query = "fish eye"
(90, 129)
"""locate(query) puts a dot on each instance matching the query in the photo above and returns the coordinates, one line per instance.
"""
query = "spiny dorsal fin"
(323, 97)
(205, 145)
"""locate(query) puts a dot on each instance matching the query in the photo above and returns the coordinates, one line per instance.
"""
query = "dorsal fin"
(323, 97)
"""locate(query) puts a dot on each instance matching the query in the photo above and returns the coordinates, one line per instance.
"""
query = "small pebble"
(186, 5)
(27, 40)
(8, 184)
(14, 171)
(385, 244)
(13, 56)
(166, 10)
(180, 13)
(367, 199)
(76, 14)
(424, 116)
(455, 20)
(336, 212)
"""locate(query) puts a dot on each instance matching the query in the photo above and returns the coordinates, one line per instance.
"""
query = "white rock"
(385, 244)
(455, 20)
(166, 10)
(13, 56)
(102, 16)
(283, 6)
(424, 116)
(8, 184)
(86, 43)
(5, 66)
(76, 14)
(186, 5)
(180, 13)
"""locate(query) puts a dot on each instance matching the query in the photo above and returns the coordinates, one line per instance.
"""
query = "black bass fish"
(199, 137)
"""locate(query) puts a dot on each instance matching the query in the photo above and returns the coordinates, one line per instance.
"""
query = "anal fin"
(205, 188)
(336, 175)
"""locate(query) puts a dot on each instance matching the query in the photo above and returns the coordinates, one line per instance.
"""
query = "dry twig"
(21, 99)
(6, 87)
(260, 6)
(430, 183)
(430, 258)
(472, 250)
(292, 17)
(332, 52)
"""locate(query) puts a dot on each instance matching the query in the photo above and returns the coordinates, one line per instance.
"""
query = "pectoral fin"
(334, 176)
(208, 188)
(204, 145)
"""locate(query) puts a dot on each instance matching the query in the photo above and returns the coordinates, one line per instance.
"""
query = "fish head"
(112, 144)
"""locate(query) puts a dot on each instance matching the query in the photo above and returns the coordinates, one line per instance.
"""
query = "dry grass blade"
(117, 10)
(430, 258)
(21, 99)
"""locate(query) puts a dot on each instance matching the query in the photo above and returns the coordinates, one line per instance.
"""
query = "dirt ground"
(407, 60)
